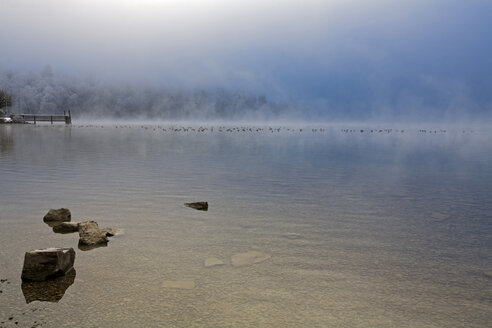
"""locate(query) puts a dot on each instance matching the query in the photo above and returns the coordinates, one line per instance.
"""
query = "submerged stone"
(201, 206)
(248, 258)
(59, 215)
(178, 284)
(48, 263)
(213, 261)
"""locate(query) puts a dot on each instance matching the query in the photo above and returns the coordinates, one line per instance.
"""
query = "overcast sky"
(377, 55)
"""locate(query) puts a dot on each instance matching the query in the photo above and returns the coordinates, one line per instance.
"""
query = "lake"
(308, 226)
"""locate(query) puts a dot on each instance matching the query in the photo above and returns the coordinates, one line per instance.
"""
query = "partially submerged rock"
(69, 227)
(201, 206)
(59, 215)
(66, 227)
(213, 261)
(48, 263)
(90, 235)
(248, 258)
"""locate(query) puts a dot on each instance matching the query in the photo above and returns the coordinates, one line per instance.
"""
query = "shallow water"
(326, 228)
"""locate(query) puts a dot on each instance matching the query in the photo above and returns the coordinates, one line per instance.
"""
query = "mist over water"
(89, 99)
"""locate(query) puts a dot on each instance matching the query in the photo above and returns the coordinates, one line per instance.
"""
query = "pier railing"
(45, 118)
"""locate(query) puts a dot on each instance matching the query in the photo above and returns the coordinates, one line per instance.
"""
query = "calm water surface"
(350, 228)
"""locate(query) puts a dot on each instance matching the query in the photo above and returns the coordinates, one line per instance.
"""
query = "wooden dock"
(45, 118)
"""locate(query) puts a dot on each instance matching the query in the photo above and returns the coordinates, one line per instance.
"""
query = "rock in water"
(59, 215)
(48, 263)
(248, 258)
(201, 206)
(91, 235)
(66, 227)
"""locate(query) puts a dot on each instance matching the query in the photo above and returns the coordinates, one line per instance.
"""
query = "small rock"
(201, 206)
(48, 263)
(90, 235)
(66, 227)
(179, 284)
(59, 215)
(213, 261)
(248, 258)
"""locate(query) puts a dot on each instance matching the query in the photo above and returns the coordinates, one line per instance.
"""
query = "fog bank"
(46, 93)
(89, 98)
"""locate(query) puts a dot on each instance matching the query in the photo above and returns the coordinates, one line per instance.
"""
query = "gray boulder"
(90, 235)
(48, 263)
(201, 206)
(59, 215)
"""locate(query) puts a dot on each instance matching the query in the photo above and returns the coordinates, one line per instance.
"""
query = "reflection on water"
(84, 247)
(312, 228)
(48, 291)
(6, 140)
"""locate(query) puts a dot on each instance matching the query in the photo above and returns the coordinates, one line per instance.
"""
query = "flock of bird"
(258, 129)
(202, 129)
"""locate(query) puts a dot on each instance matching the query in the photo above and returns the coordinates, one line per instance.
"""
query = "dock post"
(69, 118)
(51, 119)
(34, 119)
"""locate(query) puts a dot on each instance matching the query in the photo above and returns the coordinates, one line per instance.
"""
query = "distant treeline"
(39, 93)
